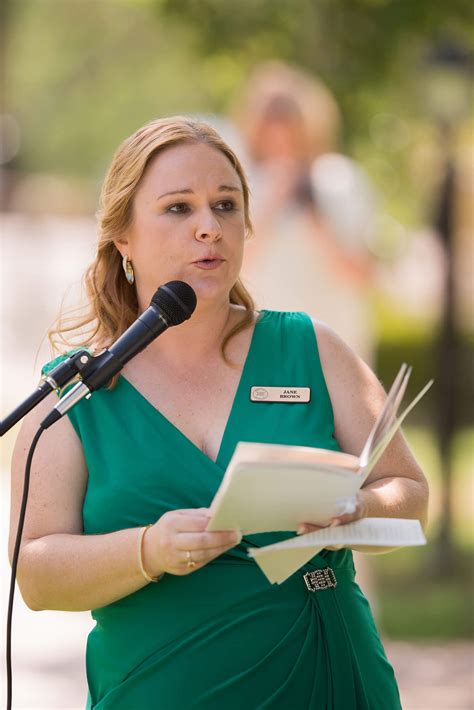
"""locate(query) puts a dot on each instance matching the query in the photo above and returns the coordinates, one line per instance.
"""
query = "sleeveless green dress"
(223, 637)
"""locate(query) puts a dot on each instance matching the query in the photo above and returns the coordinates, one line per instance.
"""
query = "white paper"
(280, 560)
(280, 496)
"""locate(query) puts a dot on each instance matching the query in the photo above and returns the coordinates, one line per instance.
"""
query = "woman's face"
(281, 137)
(188, 224)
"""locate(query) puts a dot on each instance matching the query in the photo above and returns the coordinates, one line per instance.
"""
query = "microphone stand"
(59, 376)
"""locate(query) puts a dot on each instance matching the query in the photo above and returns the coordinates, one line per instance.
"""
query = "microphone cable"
(16, 554)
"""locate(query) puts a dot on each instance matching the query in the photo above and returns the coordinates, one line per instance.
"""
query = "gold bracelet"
(140, 556)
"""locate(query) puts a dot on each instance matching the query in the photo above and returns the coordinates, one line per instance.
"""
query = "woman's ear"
(122, 246)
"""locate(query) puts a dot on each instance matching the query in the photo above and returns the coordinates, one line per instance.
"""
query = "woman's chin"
(208, 285)
(209, 291)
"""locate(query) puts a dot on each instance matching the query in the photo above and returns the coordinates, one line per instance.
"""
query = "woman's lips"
(208, 263)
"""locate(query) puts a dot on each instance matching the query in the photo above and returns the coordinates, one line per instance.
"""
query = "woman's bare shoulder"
(355, 392)
(58, 477)
(357, 397)
(336, 355)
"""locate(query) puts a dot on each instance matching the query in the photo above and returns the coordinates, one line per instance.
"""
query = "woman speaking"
(120, 488)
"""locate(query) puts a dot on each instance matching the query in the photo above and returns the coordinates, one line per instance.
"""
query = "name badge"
(280, 394)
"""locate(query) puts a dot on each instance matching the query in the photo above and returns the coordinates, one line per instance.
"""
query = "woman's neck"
(195, 341)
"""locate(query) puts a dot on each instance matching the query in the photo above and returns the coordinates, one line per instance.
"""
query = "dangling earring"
(128, 269)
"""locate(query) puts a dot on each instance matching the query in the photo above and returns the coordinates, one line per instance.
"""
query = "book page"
(386, 414)
(388, 435)
(279, 497)
(282, 559)
(250, 452)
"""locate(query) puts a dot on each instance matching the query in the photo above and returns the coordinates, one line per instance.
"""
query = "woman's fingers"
(193, 512)
(181, 536)
(310, 527)
(307, 528)
(201, 557)
(207, 540)
(175, 521)
(188, 523)
(181, 564)
(361, 511)
(188, 527)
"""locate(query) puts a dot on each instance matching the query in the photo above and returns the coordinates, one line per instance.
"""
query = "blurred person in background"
(313, 212)
(120, 488)
(313, 209)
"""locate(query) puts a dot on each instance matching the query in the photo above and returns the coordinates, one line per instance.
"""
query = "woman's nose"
(208, 227)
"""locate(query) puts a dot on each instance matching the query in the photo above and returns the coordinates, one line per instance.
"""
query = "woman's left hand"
(361, 511)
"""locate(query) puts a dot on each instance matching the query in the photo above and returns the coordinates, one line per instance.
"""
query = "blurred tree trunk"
(448, 361)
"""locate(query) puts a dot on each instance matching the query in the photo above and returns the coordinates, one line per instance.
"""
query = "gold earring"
(128, 269)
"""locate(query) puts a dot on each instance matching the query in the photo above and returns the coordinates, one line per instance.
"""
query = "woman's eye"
(225, 206)
(178, 208)
(184, 208)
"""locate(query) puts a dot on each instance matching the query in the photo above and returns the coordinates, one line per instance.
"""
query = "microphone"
(172, 304)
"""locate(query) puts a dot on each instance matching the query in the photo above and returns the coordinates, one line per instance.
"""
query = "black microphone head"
(177, 300)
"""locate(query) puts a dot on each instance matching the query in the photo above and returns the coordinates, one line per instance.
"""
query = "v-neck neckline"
(181, 434)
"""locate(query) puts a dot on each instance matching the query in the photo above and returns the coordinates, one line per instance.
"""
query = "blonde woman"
(313, 209)
(120, 488)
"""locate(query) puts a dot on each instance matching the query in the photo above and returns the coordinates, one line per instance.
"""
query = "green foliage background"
(82, 74)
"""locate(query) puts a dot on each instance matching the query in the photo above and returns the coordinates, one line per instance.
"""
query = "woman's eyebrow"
(188, 191)
(229, 188)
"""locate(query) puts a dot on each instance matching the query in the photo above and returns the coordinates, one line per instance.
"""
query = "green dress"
(223, 637)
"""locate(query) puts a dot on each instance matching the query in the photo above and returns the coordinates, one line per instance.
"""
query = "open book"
(272, 487)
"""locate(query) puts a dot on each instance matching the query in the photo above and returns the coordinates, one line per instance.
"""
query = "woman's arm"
(63, 569)
(396, 487)
(59, 567)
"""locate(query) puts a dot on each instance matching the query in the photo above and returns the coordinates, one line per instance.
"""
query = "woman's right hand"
(179, 532)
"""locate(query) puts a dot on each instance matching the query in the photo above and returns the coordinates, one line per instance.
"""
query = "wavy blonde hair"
(112, 304)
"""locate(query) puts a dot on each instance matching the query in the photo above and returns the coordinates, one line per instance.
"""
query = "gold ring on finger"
(191, 563)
